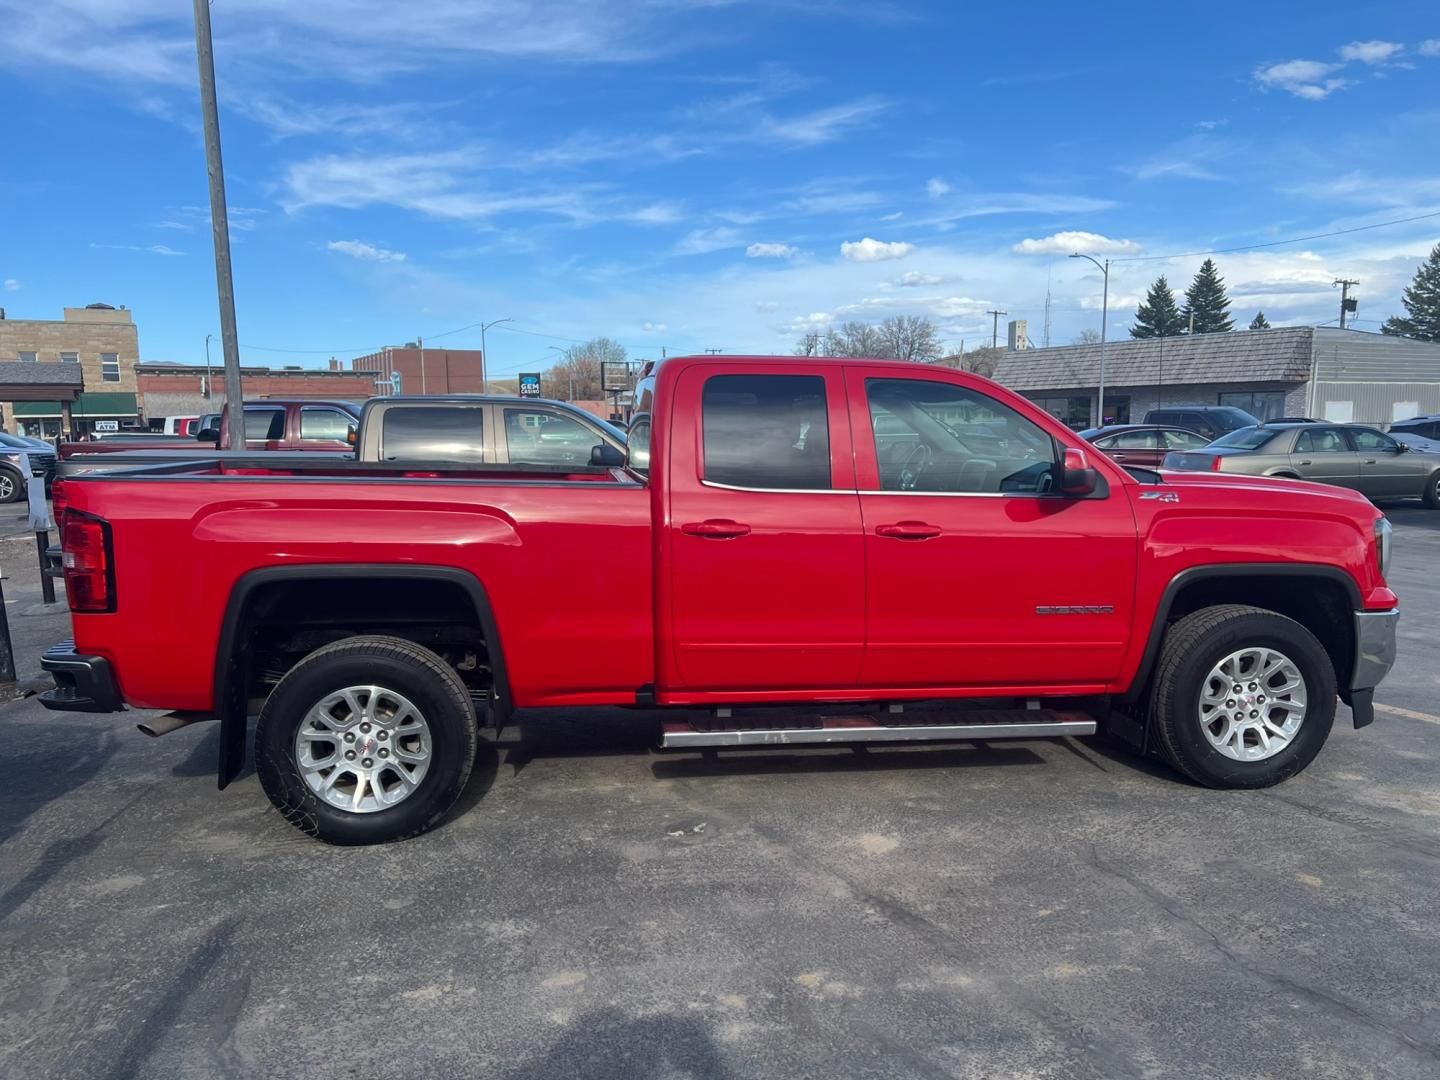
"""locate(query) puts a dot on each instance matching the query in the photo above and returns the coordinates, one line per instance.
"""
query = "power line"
(1279, 243)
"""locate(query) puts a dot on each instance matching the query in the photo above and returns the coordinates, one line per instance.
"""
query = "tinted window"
(1158, 417)
(1135, 440)
(1320, 441)
(1368, 440)
(331, 425)
(540, 437)
(935, 436)
(264, 424)
(1196, 422)
(766, 431)
(433, 433)
(1249, 438)
(1184, 440)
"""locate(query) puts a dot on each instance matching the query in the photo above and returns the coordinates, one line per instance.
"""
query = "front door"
(1385, 471)
(979, 574)
(765, 556)
(1324, 455)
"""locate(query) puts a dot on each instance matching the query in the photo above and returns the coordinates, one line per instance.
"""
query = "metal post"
(421, 342)
(209, 375)
(1104, 318)
(220, 224)
(47, 583)
(485, 356)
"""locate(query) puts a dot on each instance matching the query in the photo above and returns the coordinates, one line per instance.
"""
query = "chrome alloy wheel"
(1252, 704)
(363, 748)
(7, 487)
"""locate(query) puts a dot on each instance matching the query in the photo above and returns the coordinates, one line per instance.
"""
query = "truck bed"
(220, 464)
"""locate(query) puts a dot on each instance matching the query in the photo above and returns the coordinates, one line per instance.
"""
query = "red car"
(791, 532)
(270, 424)
(1142, 444)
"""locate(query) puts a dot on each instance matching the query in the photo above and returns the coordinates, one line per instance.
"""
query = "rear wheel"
(11, 487)
(366, 740)
(1432, 491)
(1243, 697)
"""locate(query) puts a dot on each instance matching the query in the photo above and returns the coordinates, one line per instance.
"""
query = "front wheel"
(366, 740)
(1431, 494)
(11, 486)
(1243, 697)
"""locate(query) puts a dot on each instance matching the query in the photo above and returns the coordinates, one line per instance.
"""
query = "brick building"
(179, 389)
(424, 371)
(102, 341)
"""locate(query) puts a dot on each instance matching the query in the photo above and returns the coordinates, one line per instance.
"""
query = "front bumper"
(82, 683)
(1374, 657)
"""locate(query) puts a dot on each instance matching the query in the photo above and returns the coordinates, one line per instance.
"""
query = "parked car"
(1346, 455)
(1139, 444)
(486, 428)
(366, 609)
(42, 459)
(1425, 427)
(1212, 421)
(176, 425)
(292, 424)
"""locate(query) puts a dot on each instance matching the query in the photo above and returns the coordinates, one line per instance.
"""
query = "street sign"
(530, 384)
(614, 376)
(395, 382)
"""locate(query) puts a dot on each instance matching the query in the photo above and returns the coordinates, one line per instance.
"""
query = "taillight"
(88, 562)
(1215, 463)
(58, 501)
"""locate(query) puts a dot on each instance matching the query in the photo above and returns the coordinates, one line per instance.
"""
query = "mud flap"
(1362, 707)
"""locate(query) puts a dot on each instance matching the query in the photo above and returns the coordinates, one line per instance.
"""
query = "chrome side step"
(994, 724)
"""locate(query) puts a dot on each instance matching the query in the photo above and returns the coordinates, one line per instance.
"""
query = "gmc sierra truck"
(852, 540)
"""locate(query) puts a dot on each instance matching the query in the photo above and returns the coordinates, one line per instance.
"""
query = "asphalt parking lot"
(1047, 909)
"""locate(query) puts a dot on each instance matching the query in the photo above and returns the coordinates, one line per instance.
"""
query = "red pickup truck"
(852, 539)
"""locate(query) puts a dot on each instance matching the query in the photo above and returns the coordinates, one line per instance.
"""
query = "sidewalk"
(34, 625)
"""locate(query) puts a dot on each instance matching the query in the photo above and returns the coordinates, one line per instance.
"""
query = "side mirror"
(351, 435)
(1402, 448)
(605, 454)
(209, 434)
(637, 449)
(1078, 476)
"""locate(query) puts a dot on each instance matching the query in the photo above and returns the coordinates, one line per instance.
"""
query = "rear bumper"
(1374, 657)
(82, 683)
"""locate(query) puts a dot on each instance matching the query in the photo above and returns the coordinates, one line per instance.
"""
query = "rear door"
(977, 573)
(766, 561)
(1324, 455)
(1385, 471)
(264, 427)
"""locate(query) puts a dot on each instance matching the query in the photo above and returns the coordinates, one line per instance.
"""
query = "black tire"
(16, 486)
(1431, 494)
(397, 665)
(1192, 648)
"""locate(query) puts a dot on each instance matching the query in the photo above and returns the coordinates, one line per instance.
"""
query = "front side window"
(939, 437)
(327, 425)
(766, 431)
(1368, 441)
(109, 367)
(1320, 441)
(541, 437)
(264, 424)
(433, 433)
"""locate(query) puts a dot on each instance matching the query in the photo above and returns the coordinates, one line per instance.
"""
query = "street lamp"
(207, 364)
(1104, 313)
(484, 356)
(570, 392)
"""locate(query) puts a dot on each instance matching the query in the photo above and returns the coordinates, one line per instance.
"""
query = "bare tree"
(983, 361)
(857, 340)
(1088, 336)
(810, 344)
(577, 376)
(910, 337)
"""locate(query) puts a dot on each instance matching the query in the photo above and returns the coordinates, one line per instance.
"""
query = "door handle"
(1305, 463)
(908, 530)
(1370, 461)
(716, 529)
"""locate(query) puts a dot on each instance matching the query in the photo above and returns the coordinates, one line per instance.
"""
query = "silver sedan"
(1347, 455)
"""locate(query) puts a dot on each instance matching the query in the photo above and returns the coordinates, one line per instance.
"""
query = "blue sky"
(705, 173)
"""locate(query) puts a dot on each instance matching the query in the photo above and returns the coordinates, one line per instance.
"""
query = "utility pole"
(208, 376)
(1347, 306)
(1104, 320)
(484, 356)
(995, 327)
(420, 341)
(220, 225)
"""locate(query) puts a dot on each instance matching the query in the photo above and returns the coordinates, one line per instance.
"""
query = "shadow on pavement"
(605, 1043)
(861, 758)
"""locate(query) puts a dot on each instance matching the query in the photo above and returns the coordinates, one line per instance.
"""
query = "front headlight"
(1383, 536)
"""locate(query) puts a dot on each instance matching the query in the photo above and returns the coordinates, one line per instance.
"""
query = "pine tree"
(1422, 303)
(1158, 316)
(1259, 322)
(1206, 300)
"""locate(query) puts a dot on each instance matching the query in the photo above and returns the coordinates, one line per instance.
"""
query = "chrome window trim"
(860, 491)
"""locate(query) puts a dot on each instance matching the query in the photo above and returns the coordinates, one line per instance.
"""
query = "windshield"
(1246, 438)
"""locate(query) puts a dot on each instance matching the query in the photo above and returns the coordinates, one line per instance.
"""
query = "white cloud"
(763, 306)
(654, 328)
(870, 250)
(11, 285)
(823, 125)
(1064, 243)
(1307, 79)
(1369, 52)
(704, 241)
(660, 213)
(935, 187)
(771, 251)
(914, 279)
(358, 249)
(1429, 48)
(148, 249)
(896, 216)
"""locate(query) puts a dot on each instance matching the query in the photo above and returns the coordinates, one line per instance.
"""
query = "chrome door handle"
(1370, 461)
(1305, 463)
(908, 530)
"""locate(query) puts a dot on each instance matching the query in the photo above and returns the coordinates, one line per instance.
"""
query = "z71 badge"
(1160, 496)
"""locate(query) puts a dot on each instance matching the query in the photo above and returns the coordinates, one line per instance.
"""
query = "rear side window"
(1323, 441)
(1184, 440)
(264, 424)
(1158, 417)
(433, 433)
(1134, 440)
(766, 431)
(1195, 422)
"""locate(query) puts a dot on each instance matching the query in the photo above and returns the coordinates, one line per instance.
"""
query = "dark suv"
(1427, 427)
(1212, 421)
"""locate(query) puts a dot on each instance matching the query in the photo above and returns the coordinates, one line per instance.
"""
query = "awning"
(90, 405)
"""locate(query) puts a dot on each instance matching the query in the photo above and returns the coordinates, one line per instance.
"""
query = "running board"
(991, 724)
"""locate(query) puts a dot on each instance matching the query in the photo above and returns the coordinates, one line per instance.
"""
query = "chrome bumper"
(1374, 647)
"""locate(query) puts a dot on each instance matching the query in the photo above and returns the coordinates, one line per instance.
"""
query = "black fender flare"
(231, 675)
(1222, 570)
